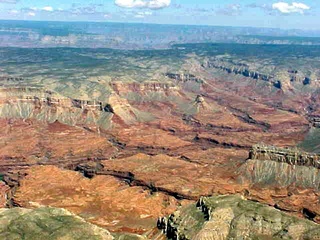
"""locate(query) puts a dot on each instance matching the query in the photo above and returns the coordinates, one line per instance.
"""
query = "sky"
(304, 14)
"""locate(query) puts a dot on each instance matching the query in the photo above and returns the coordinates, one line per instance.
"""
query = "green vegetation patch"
(46, 223)
(311, 143)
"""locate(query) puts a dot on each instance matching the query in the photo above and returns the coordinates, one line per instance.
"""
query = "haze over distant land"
(303, 14)
(30, 34)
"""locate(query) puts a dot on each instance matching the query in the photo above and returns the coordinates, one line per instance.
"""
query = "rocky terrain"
(232, 217)
(119, 141)
(284, 167)
(30, 34)
(105, 200)
(276, 78)
(47, 223)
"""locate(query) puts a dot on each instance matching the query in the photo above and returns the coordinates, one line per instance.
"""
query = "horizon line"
(165, 24)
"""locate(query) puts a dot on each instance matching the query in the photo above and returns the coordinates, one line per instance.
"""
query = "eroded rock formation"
(277, 79)
(283, 167)
(315, 120)
(40, 96)
(284, 155)
(232, 217)
(184, 77)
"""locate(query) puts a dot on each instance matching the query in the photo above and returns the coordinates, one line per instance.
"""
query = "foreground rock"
(231, 217)
(292, 175)
(47, 223)
(3, 193)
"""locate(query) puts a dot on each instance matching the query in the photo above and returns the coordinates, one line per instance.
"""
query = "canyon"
(201, 138)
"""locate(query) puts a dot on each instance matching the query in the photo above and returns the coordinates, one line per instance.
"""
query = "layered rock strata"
(284, 155)
(184, 77)
(282, 167)
(39, 96)
(244, 70)
(232, 217)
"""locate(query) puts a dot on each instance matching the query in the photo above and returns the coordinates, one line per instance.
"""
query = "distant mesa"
(10, 79)
(285, 155)
(181, 77)
(242, 69)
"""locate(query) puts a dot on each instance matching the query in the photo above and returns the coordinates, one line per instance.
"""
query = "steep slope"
(284, 167)
(47, 223)
(232, 217)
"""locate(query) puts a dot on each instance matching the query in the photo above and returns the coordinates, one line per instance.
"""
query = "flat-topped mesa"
(40, 96)
(184, 77)
(123, 88)
(284, 155)
(10, 79)
(35, 95)
(244, 70)
(18, 90)
(241, 69)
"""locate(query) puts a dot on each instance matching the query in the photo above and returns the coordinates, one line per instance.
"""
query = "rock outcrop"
(283, 167)
(284, 155)
(45, 105)
(184, 77)
(10, 79)
(40, 96)
(315, 120)
(232, 217)
(277, 79)
(200, 103)
(144, 89)
(4, 189)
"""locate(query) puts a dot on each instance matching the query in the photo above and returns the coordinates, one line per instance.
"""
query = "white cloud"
(143, 14)
(139, 16)
(47, 8)
(152, 4)
(13, 11)
(230, 10)
(31, 14)
(295, 7)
